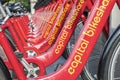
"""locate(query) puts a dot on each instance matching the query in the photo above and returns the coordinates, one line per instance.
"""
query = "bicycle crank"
(33, 71)
(32, 67)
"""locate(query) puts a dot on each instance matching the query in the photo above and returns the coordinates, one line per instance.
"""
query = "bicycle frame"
(83, 47)
(53, 33)
(52, 22)
(9, 53)
(62, 33)
(84, 44)
(23, 36)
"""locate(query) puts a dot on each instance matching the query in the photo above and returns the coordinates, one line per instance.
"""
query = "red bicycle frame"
(53, 34)
(85, 43)
(82, 49)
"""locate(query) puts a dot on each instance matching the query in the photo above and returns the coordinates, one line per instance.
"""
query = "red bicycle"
(33, 67)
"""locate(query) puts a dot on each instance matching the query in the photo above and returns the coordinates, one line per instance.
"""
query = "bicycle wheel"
(110, 62)
(4, 73)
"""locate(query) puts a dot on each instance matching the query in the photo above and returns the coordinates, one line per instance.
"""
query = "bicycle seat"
(3, 1)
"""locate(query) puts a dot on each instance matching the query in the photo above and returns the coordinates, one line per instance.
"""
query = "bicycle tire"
(4, 73)
(108, 68)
